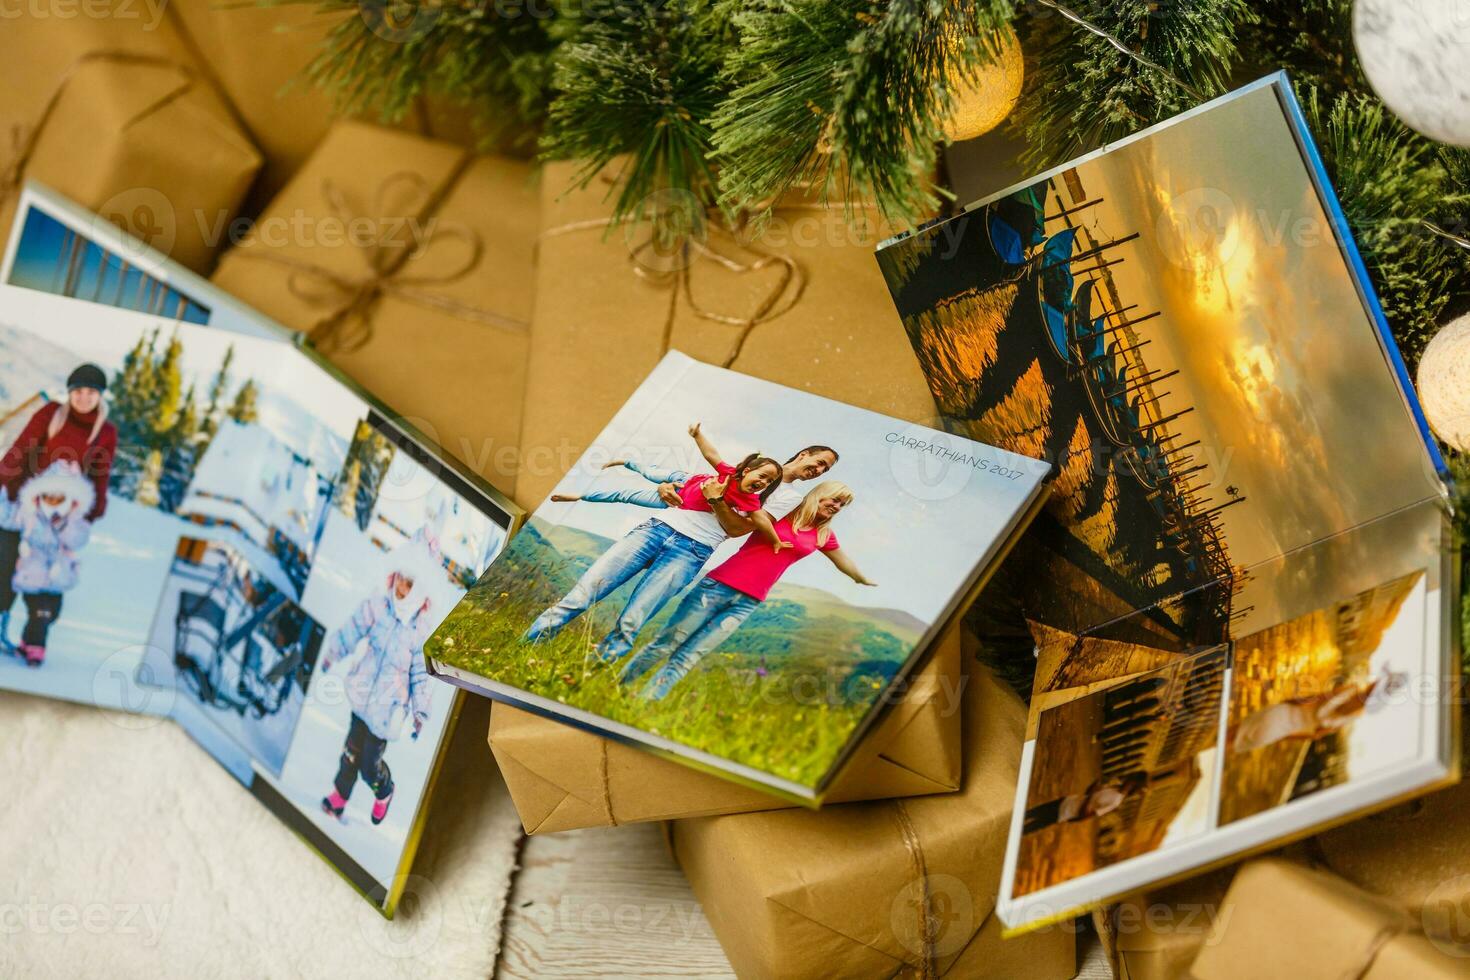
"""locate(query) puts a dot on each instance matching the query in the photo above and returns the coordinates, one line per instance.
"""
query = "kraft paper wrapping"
(442, 334)
(125, 123)
(563, 778)
(258, 54)
(1156, 934)
(1283, 919)
(600, 327)
(840, 892)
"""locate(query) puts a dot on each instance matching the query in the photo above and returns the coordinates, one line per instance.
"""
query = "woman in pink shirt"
(724, 599)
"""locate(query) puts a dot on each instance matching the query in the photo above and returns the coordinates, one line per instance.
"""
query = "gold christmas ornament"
(983, 102)
(1444, 383)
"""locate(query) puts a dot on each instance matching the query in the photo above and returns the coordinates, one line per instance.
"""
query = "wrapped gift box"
(1283, 919)
(607, 308)
(257, 55)
(562, 778)
(116, 113)
(1156, 935)
(410, 261)
(1416, 855)
(883, 888)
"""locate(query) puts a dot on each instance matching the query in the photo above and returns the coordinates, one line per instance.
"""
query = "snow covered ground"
(245, 736)
(98, 642)
(348, 568)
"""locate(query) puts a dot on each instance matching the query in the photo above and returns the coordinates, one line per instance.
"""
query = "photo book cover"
(210, 526)
(736, 573)
(1240, 572)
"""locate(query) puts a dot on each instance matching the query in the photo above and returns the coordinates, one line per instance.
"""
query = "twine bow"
(674, 269)
(351, 301)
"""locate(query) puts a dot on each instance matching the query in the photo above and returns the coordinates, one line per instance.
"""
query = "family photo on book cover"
(738, 568)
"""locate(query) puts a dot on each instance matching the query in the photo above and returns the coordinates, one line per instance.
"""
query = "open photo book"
(1242, 587)
(738, 575)
(201, 520)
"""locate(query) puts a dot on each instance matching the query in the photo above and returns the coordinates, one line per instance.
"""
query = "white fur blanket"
(125, 851)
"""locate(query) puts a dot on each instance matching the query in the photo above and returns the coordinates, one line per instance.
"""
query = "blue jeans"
(706, 617)
(669, 561)
(640, 498)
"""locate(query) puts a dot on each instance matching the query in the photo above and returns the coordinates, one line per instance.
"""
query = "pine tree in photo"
(368, 459)
(213, 410)
(244, 408)
(146, 488)
(168, 394)
(181, 457)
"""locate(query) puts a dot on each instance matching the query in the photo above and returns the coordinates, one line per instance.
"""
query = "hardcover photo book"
(1242, 586)
(738, 575)
(211, 524)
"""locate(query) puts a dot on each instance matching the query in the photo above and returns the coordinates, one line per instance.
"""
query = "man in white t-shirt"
(668, 551)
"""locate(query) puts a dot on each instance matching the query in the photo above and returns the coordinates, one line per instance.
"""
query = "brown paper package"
(838, 892)
(258, 55)
(458, 379)
(1283, 919)
(600, 327)
(563, 778)
(1416, 854)
(1155, 935)
(148, 145)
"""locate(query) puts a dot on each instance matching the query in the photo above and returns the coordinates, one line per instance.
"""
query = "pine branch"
(848, 96)
(1082, 92)
(1391, 181)
(640, 80)
(493, 58)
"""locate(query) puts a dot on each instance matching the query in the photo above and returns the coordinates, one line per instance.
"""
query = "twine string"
(677, 270)
(352, 300)
(927, 919)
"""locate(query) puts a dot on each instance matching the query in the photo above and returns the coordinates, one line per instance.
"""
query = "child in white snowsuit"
(389, 682)
(51, 518)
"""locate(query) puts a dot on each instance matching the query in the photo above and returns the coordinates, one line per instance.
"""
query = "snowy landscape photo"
(122, 415)
(211, 526)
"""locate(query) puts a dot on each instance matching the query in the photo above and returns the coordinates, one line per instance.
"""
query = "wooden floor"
(612, 903)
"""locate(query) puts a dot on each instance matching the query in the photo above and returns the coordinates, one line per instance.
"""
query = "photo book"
(738, 575)
(201, 520)
(1242, 587)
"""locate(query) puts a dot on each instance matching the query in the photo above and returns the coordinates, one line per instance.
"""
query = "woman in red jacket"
(75, 431)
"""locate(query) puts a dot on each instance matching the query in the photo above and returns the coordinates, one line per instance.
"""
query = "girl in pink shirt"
(724, 599)
(748, 485)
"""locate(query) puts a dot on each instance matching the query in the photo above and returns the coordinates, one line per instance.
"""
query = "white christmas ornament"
(1416, 54)
(1444, 383)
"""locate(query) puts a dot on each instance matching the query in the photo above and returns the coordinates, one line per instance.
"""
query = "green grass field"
(789, 723)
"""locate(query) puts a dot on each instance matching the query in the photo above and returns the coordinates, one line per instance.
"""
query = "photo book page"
(738, 575)
(213, 526)
(1239, 586)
